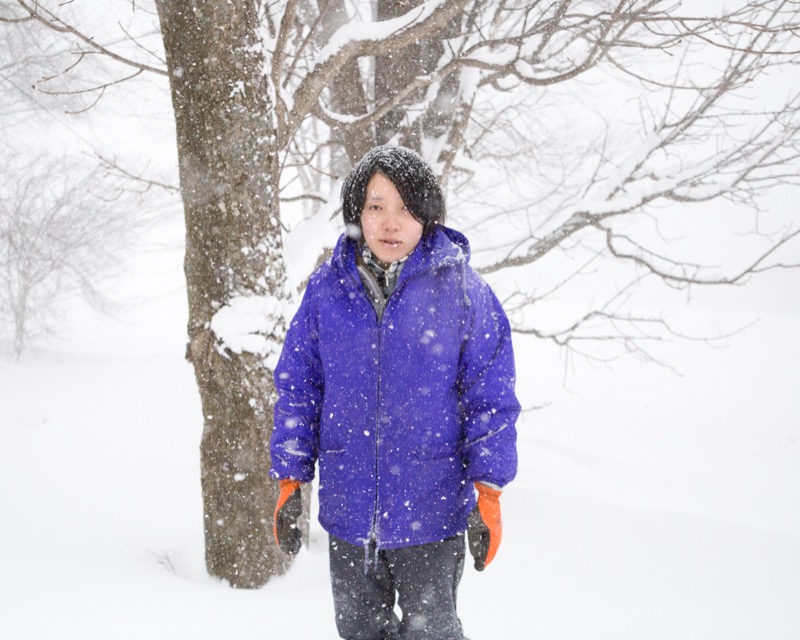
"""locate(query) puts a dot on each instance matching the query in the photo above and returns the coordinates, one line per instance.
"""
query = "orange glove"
(287, 511)
(484, 527)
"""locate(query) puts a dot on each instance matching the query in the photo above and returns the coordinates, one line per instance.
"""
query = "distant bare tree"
(274, 101)
(57, 240)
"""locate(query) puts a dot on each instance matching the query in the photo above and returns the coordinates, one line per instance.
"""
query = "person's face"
(390, 231)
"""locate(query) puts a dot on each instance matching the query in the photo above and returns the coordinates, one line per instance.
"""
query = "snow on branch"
(380, 33)
(246, 324)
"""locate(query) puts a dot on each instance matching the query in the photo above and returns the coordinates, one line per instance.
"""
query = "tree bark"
(229, 172)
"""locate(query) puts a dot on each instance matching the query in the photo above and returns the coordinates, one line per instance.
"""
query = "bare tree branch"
(52, 21)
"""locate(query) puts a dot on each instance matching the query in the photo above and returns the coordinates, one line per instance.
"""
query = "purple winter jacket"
(405, 414)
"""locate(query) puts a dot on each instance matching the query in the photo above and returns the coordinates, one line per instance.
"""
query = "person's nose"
(391, 221)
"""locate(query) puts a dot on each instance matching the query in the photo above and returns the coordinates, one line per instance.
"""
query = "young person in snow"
(397, 377)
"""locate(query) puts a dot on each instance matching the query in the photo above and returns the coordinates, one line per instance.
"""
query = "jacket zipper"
(374, 539)
(372, 545)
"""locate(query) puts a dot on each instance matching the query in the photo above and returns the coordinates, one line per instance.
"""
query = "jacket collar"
(442, 247)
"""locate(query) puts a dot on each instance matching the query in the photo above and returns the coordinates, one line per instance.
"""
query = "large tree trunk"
(229, 174)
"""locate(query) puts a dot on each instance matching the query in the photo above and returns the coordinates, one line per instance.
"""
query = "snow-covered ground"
(648, 506)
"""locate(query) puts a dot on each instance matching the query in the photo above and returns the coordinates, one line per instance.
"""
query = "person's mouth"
(391, 244)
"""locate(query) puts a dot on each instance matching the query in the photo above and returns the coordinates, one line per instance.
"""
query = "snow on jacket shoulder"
(403, 415)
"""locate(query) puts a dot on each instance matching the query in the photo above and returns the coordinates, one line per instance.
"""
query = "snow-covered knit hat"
(411, 176)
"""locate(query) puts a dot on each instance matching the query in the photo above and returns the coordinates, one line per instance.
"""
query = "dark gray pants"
(424, 578)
